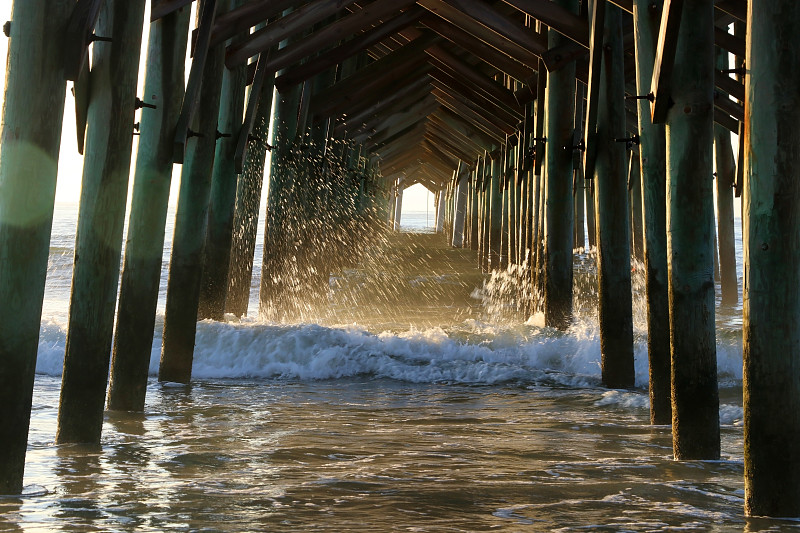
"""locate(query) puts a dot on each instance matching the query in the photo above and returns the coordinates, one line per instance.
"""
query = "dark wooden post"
(652, 159)
(495, 212)
(222, 201)
(591, 218)
(772, 255)
(248, 199)
(635, 199)
(282, 175)
(461, 196)
(690, 243)
(474, 217)
(98, 245)
(188, 241)
(725, 179)
(29, 144)
(611, 201)
(141, 271)
(559, 209)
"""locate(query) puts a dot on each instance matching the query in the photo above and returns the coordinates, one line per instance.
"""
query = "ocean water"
(414, 398)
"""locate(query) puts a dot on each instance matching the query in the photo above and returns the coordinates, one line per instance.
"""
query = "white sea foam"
(473, 352)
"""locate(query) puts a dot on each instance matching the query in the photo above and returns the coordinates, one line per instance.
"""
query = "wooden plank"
(735, 8)
(450, 114)
(556, 17)
(501, 24)
(469, 74)
(245, 17)
(491, 108)
(300, 73)
(335, 32)
(593, 92)
(477, 30)
(661, 85)
(479, 49)
(455, 107)
(78, 37)
(192, 94)
(162, 8)
(729, 85)
(250, 112)
(383, 102)
(378, 121)
(498, 123)
(273, 33)
(731, 43)
(373, 75)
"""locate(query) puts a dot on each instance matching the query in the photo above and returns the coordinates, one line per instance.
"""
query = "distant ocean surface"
(416, 399)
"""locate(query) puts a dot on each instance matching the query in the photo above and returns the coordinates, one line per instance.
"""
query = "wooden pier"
(529, 120)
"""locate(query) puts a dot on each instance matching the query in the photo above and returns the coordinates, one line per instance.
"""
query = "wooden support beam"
(385, 70)
(380, 120)
(772, 280)
(273, 33)
(728, 41)
(469, 74)
(81, 90)
(370, 125)
(735, 8)
(30, 137)
(249, 15)
(593, 87)
(615, 313)
(79, 36)
(144, 246)
(492, 108)
(474, 27)
(454, 107)
(251, 109)
(248, 200)
(690, 246)
(661, 85)
(98, 243)
(447, 141)
(729, 85)
(501, 24)
(479, 107)
(479, 49)
(559, 215)
(450, 117)
(652, 157)
(557, 18)
(402, 120)
(162, 8)
(192, 93)
(338, 30)
(307, 70)
(191, 219)
(216, 256)
(444, 119)
(414, 90)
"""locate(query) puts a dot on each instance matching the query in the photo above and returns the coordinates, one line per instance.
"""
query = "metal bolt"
(140, 104)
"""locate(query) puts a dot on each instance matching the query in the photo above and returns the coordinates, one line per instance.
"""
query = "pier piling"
(144, 246)
(98, 245)
(29, 145)
(772, 253)
(690, 238)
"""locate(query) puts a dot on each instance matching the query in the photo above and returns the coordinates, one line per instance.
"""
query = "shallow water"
(416, 400)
